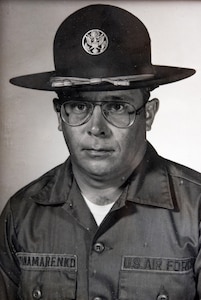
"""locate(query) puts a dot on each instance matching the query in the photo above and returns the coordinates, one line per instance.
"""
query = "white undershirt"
(98, 211)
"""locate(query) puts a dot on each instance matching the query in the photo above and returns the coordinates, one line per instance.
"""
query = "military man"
(116, 220)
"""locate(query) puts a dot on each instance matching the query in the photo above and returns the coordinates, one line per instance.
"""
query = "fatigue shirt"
(147, 247)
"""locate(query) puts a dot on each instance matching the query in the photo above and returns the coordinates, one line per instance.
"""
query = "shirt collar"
(54, 187)
(148, 185)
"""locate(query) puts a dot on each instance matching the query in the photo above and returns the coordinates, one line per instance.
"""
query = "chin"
(99, 171)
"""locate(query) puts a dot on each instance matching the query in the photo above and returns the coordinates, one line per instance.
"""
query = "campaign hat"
(102, 47)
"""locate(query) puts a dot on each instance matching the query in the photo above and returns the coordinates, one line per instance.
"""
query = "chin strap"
(117, 81)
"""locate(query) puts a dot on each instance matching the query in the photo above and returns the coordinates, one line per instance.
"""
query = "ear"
(59, 121)
(57, 108)
(151, 109)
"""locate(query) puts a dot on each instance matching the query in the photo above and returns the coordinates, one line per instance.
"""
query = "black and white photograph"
(100, 157)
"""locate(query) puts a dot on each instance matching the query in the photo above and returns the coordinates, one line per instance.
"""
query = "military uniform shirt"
(146, 248)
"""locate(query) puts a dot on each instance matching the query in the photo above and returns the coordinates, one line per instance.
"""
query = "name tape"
(47, 261)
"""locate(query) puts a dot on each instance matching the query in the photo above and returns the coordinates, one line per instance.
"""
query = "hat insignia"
(95, 42)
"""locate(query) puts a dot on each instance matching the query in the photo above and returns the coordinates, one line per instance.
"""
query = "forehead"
(134, 96)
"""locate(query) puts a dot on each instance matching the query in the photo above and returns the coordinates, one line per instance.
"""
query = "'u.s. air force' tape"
(47, 261)
(157, 264)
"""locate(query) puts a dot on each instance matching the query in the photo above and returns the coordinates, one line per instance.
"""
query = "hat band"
(58, 81)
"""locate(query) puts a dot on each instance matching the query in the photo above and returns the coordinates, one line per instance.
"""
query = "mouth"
(98, 152)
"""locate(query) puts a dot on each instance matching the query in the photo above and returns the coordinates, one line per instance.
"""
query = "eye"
(78, 107)
(116, 107)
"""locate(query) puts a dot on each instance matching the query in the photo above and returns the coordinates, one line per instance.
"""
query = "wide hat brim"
(162, 75)
(102, 47)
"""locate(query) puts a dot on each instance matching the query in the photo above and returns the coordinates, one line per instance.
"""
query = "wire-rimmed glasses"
(119, 114)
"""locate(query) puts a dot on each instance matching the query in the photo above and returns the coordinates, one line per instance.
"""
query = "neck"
(98, 191)
(102, 191)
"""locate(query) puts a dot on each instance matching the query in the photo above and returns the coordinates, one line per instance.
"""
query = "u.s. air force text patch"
(140, 263)
(47, 261)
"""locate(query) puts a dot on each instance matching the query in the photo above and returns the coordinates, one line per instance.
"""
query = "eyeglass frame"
(99, 103)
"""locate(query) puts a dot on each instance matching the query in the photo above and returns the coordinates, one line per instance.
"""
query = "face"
(99, 149)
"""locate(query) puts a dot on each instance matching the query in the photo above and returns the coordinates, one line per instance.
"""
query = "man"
(115, 221)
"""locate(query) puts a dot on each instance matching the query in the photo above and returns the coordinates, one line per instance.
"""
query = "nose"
(97, 125)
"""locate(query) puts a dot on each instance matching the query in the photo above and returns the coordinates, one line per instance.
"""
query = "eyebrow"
(115, 98)
(107, 98)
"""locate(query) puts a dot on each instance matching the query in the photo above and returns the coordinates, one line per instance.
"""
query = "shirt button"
(99, 248)
(162, 297)
(36, 294)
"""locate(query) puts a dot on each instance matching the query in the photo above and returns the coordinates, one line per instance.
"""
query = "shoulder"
(182, 173)
(184, 184)
(38, 190)
(173, 169)
(184, 187)
(36, 185)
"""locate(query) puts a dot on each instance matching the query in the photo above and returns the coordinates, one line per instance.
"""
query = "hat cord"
(57, 81)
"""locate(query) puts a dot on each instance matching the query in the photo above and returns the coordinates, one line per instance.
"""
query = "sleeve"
(198, 268)
(198, 259)
(9, 268)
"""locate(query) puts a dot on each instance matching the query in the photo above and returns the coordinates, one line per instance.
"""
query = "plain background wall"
(29, 139)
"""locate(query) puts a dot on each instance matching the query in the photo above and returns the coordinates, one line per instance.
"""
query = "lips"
(98, 151)
(98, 148)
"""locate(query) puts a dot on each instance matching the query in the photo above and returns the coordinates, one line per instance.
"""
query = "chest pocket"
(47, 276)
(155, 279)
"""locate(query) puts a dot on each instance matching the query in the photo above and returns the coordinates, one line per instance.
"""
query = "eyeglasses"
(119, 114)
